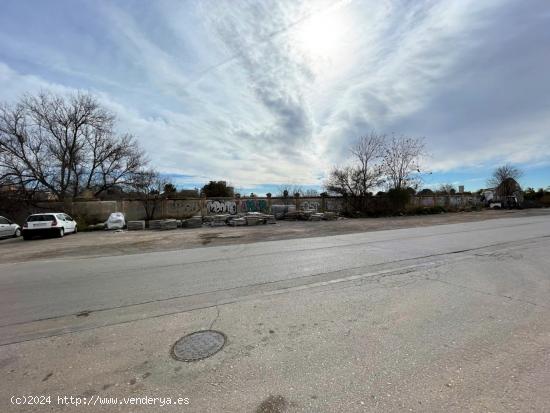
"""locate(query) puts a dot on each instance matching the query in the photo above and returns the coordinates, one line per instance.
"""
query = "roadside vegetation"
(379, 161)
(66, 148)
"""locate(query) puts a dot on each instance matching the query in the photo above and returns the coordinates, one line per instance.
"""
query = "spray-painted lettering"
(254, 205)
(221, 207)
(310, 205)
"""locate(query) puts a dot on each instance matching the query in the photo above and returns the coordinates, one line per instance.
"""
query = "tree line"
(67, 145)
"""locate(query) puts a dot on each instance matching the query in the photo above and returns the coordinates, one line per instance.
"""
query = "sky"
(268, 93)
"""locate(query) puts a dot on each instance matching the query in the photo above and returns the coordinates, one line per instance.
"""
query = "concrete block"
(270, 219)
(195, 222)
(168, 224)
(237, 222)
(252, 220)
(135, 225)
(154, 224)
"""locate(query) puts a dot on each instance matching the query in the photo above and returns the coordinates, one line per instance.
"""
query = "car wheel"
(17, 233)
(61, 233)
(75, 229)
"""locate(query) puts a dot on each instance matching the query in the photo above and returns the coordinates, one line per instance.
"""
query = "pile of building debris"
(250, 218)
(289, 212)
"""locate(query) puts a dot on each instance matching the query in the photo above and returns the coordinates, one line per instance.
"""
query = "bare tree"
(287, 190)
(368, 152)
(64, 145)
(149, 186)
(401, 162)
(309, 192)
(364, 174)
(505, 179)
(503, 173)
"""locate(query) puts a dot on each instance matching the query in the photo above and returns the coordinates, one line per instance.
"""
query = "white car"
(9, 228)
(57, 224)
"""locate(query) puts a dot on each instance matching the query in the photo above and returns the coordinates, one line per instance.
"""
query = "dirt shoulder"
(108, 243)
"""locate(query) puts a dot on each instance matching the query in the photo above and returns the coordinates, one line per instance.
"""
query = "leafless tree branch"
(64, 145)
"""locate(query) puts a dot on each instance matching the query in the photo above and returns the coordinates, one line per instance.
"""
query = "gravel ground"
(108, 243)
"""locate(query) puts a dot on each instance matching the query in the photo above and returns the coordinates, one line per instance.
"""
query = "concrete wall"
(456, 201)
(98, 211)
(94, 211)
(168, 208)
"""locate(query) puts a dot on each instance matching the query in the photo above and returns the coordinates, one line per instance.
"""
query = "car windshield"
(34, 218)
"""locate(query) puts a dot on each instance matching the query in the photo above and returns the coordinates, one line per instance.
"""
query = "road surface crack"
(215, 318)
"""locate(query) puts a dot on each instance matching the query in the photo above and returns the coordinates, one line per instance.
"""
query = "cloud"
(275, 91)
(276, 79)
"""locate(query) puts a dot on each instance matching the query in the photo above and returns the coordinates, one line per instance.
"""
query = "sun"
(322, 35)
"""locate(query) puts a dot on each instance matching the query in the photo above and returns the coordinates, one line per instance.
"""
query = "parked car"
(53, 224)
(9, 228)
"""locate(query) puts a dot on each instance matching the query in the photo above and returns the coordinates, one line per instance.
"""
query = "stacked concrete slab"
(194, 222)
(163, 224)
(217, 220)
(167, 224)
(253, 219)
(155, 224)
(237, 222)
(281, 210)
(270, 219)
(135, 225)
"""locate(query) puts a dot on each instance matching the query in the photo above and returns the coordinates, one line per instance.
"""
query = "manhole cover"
(198, 345)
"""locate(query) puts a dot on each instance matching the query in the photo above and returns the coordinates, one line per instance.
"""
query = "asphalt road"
(451, 317)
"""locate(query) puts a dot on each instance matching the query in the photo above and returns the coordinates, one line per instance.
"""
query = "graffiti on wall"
(311, 205)
(254, 205)
(221, 207)
(183, 205)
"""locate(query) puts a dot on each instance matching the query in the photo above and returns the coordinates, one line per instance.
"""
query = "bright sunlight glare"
(323, 35)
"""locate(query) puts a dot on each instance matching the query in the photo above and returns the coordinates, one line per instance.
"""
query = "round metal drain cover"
(198, 345)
